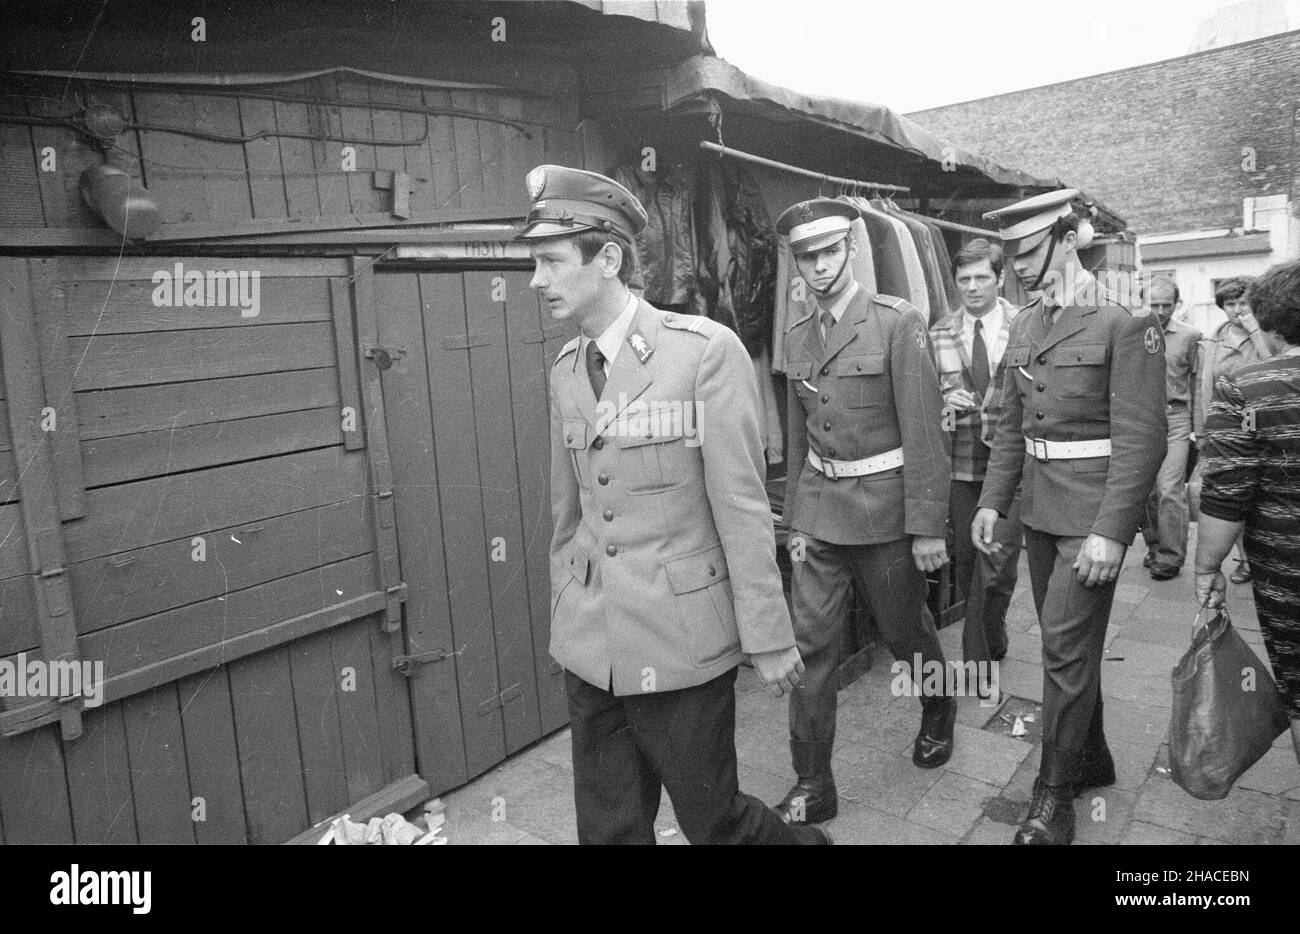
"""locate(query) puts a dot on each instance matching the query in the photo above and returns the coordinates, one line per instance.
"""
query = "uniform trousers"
(1165, 528)
(821, 587)
(987, 581)
(625, 748)
(1073, 620)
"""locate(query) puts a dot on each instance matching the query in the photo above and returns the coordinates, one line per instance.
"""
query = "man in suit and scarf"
(866, 496)
(663, 564)
(968, 348)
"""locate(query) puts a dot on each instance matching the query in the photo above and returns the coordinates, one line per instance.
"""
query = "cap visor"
(540, 229)
(1023, 245)
(819, 242)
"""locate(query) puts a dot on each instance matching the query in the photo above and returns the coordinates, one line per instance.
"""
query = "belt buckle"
(1040, 450)
(828, 468)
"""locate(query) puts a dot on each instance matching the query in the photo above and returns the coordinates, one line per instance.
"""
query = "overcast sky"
(914, 54)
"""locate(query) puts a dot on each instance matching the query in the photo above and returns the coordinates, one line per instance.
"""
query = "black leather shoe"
(1050, 821)
(1163, 572)
(1096, 770)
(813, 798)
(933, 746)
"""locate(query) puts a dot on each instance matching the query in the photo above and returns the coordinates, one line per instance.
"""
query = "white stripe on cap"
(817, 228)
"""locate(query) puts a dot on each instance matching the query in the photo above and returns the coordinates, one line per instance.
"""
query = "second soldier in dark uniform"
(1082, 433)
(867, 494)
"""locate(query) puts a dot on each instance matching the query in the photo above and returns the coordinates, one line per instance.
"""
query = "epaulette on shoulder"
(891, 301)
(568, 348)
(696, 324)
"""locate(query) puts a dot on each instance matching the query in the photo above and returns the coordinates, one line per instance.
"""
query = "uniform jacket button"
(609, 515)
(831, 452)
(825, 399)
(598, 443)
(826, 426)
(611, 550)
(1039, 416)
(826, 371)
(568, 438)
(603, 479)
(1042, 359)
(1040, 387)
(713, 572)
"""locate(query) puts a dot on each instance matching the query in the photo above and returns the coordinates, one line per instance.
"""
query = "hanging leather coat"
(666, 247)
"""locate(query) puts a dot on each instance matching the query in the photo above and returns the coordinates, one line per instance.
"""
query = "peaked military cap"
(569, 201)
(1027, 223)
(816, 224)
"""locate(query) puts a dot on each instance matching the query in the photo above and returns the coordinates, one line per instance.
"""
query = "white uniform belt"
(859, 468)
(1066, 450)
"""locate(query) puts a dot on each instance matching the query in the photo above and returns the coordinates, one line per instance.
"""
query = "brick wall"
(1160, 144)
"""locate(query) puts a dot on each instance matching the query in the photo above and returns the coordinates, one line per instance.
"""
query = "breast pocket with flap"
(860, 379)
(653, 458)
(1080, 370)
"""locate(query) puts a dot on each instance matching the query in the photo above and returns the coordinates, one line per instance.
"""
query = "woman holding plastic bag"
(1252, 481)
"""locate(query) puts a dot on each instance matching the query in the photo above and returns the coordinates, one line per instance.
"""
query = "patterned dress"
(1252, 474)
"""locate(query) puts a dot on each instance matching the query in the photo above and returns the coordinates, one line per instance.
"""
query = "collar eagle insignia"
(639, 346)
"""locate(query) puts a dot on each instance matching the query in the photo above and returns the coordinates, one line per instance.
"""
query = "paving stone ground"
(980, 795)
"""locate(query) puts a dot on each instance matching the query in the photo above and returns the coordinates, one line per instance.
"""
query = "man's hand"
(1211, 589)
(981, 531)
(1099, 560)
(963, 400)
(779, 670)
(930, 554)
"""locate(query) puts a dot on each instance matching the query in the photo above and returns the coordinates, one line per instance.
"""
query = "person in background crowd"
(866, 495)
(1165, 529)
(1082, 433)
(1252, 484)
(1237, 342)
(663, 571)
(969, 347)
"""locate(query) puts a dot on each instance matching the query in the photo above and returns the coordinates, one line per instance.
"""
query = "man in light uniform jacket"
(866, 496)
(663, 559)
(1082, 433)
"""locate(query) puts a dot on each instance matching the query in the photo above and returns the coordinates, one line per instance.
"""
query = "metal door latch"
(407, 664)
(384, 356)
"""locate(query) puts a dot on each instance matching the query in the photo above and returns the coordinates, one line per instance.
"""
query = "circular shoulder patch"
(920, 337)
(1151, 340)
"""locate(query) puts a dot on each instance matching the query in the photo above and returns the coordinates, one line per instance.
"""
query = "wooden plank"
(521, 156)
(469, 157)
(114, 412)
(363, 747)
(444, 158)
(13, 544)
(160, 781)
(388, 124)
(345, 348)
(174, 158)
(173, 356)
(133, 515)
(327, 155)
(101, 307)
(530, 364)
(92, 268)
(208, 722)
(38, 714)
(99, 780)
(53, 208)
(465, 543)
(157, 453)
(129, 585)
(381, 472)
(262, 157)
(494, 432)
(392, 704)
(316, 694)
(399, 797)
(34, 790)
(40, 506)
(300, 193)
(416, 160)
(269, 764)
(492, 143)
(364, 197)
(56, 374)
(417, 491)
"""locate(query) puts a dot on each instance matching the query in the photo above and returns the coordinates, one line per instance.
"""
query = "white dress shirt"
(992, 324)
(610, 340)
(837, 309)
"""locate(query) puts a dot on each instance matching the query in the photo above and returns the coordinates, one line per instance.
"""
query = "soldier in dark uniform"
(867, 494)
(1083, 433)
(663, 570)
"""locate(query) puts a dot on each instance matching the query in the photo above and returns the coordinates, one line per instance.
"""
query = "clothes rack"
(772, 163)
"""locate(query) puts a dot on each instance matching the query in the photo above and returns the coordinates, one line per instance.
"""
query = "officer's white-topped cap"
(1027, 223)
(816, 224)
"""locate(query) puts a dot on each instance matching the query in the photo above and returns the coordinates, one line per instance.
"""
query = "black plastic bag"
(1226, 711)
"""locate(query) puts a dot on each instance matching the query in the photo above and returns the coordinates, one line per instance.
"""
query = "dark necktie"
(828, 324)
(979, 360)
(595, 368)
